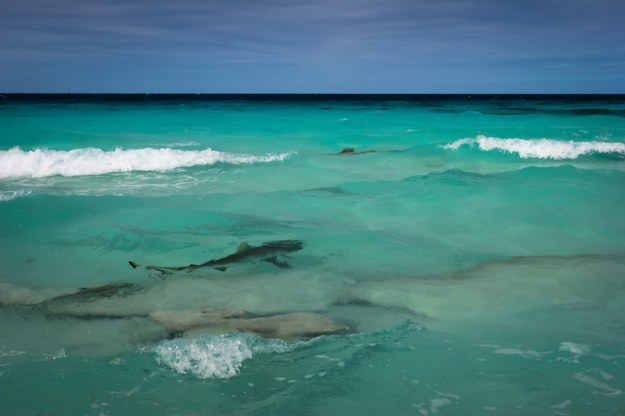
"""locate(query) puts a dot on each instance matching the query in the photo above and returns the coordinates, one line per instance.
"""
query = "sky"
(313, 46)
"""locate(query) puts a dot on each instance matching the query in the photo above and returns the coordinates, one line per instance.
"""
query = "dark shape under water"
(352, 151)
(268, 252)
(90, 293)
(92, 303)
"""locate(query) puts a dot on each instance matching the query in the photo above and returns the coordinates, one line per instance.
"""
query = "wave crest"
(210, 357)
(539, 148)
(39, 163)
(217, 356)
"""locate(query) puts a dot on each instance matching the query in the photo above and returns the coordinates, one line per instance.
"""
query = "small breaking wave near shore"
(539, 148)
(217, 356)
(40, 162)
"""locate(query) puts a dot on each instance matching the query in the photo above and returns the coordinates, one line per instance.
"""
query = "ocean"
(312, 255)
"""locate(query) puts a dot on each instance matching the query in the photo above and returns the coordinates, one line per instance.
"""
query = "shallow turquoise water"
(473, 264)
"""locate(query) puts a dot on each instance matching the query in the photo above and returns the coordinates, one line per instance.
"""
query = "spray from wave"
(39, 163)
(539, 148)
(214, 357)
(217, 356)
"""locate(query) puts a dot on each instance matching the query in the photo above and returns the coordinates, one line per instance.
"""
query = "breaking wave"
(210, 357)
(39, 163)
(539, 148)
(217, 356)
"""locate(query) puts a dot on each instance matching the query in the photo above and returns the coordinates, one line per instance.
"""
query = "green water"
(473, 264)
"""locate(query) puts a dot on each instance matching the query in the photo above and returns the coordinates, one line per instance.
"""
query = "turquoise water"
(473, 264)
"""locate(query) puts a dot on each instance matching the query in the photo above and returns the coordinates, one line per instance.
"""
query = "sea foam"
(11, 195)
(217, 356)
(209, 357)
(539, 148)
(39, 163)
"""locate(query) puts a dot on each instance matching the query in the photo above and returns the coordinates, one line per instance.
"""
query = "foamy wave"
(539, 148)
(206, 357)
(218, 356)
(38, 163)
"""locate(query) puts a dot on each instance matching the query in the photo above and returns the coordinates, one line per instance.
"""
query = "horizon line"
(69, 93)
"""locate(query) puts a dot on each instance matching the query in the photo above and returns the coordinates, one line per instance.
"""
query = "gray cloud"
(308, 39)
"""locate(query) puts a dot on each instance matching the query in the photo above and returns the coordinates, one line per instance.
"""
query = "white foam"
(218, 356)
(604, 388)
(56, 356)
(435, 404)
(575, 348)
(183, 144)
(539, 148)
(522, 353)
(206, 357)
(38, 163)
(11, 195)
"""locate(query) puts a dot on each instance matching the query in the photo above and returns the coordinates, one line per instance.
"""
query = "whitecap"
(218, 356)
(539, 148)
(40, 162)
(206, 357)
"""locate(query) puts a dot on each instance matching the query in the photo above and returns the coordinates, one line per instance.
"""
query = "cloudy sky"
(316, 46)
